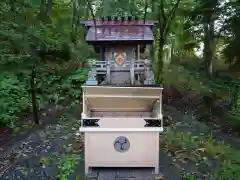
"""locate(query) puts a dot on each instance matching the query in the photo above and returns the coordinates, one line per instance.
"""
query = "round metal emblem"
(121, 144)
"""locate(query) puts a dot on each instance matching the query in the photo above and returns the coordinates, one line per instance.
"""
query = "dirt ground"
(54, 150)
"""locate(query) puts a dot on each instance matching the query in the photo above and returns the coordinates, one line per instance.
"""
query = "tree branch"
(162, 11)
(161, 23)
(170, 16)
(93, 16)
(145, 11)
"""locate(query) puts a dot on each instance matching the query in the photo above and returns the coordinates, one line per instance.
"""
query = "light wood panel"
(143, 151)
(117, 104)
(128, 91)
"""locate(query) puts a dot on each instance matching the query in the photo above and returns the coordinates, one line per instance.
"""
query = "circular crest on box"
(121, 144)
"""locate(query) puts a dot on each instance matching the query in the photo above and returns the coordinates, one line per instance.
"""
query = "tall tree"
(165, 16)
(12, 5)
(206, 13)
(49, 7)
(75, 12)
(231, 31)
(209, 12)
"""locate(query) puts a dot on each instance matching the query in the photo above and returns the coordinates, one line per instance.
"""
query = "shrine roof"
(119, 33)
(90, 23)
(119, 29)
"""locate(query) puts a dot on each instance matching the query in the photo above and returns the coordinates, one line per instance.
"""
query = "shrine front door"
(120, 69)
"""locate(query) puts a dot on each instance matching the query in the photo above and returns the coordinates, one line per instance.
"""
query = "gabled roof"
(119, 33)
(119, 30)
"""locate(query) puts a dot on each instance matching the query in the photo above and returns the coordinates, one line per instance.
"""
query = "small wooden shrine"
(122, 108)
(120, 43)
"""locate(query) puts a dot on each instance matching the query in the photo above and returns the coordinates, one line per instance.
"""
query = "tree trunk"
(131, 3)
(212, 48)
(79, 15)
(87, 12)
(49, 7)
(12, 5)
(209, 44)
(42, 10)
(74, 14)
(33, 96)
(206, 50)
(163, 29)
(160, 62)
(153, 5)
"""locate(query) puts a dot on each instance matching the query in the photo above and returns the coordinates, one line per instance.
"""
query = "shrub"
(51, 88)
(235, 115)
(14, 98)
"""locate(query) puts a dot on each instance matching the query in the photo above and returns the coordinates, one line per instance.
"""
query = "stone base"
(91, 82)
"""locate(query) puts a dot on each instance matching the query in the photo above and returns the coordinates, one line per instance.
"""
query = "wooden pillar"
(152, 51)
(132, 72)
(138, 52)
(102, 57)
(160, 109)
(84, 108)
(132, 61)
(134, 53)
(108, 73)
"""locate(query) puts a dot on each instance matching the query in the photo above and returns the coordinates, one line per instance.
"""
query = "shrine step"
(122, 174)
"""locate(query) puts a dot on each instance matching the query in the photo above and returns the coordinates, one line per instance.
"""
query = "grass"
(220, 160)
(202, 154)
(179, 76)
(66, 167)
(45, 161)
(196, 80)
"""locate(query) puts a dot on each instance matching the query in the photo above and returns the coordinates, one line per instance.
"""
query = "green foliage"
(230, 170)
(235, 114)
(123, 8)
(29, 34)
(51, 88)
(45, 161)
(14, 98)
(75, 80)
(66, 167)
(65, 86)
(231, 27)
(197, 149)
(180, 76)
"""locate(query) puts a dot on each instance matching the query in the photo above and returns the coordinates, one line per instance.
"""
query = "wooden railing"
(102, 65)
(134, 67)
(139, 64)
